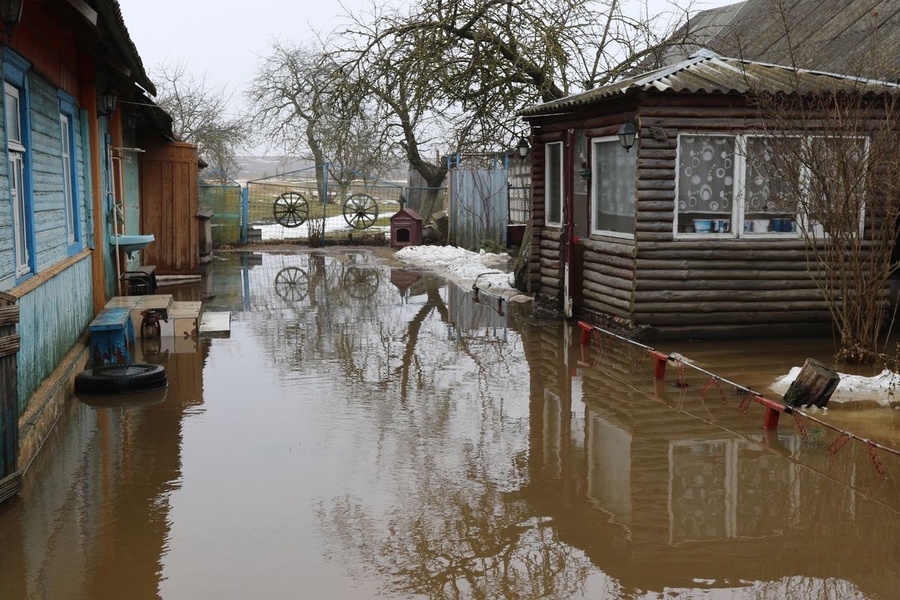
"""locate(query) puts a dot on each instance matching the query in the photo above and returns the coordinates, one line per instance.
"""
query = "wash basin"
(131, 242)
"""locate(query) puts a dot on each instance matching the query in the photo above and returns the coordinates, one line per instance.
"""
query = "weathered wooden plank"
(677, 268)
(715, 311)
(551, 273)
(662, 174)
(659, 206)
(9, 315)
(664, 153)
(610, 306)
(703, 276)
(551, 282)
(737, 286)
(605, 281)
(596, 249)
(662, 216)
(735, 318)
(724, 245)
(553, 262)
(645, 225)
(625, 274)
(620, 262)
(643, 195)
(728, 297)
(9, 345)
(655, 184)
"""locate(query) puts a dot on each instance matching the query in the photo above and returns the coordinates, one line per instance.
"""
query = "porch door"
(577, 221)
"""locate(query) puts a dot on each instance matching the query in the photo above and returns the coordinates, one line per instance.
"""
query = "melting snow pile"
(855, 388)
(483, 270)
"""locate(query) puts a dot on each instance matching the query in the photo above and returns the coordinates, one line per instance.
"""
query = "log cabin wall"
(698, 287)
(607, 279)
(660, 285)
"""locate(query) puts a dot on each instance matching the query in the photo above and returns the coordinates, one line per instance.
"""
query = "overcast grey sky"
(223, 40)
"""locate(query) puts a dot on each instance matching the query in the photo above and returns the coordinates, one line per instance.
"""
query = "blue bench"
(112, 337)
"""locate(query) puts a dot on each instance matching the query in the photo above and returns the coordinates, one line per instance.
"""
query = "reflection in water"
(372, 432)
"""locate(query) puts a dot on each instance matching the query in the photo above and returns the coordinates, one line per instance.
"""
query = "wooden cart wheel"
(360, 211)
(360, 283)
(292, 284)
(291, 209)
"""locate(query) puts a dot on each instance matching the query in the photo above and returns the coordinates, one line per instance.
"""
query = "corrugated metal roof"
(707, 72)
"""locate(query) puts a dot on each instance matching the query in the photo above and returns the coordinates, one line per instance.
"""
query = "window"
(728, 187)
(22, 240)
(553, 195)
(613, 172)
(18, 141)
(67, 142)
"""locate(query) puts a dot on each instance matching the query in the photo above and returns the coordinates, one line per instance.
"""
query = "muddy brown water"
(369, 431)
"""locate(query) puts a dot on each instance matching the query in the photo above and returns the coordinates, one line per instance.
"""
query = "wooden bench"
(112, 337)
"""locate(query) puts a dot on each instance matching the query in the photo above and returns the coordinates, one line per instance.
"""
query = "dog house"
(406, 228)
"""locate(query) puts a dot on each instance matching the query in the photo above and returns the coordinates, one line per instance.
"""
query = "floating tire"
(118, 379)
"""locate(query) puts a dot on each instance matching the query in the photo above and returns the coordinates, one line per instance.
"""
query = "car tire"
(138, 377)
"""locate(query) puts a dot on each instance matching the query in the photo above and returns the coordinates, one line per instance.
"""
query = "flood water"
(369, 431)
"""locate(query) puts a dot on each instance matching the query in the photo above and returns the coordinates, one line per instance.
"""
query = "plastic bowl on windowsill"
(703, 225)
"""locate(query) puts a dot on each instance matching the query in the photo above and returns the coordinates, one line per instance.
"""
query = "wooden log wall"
(544, 268)
(676, 287)
(690, 285)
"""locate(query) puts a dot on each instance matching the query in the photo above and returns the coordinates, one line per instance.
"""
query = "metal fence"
(299, 205)
(478, 207)
(224, 201)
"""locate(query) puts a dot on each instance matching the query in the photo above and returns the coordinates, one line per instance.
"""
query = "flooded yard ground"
(369, 431)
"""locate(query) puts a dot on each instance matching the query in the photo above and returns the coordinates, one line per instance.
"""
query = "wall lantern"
(106, 103)
(627, 133)
(11, 14)
(522, 148)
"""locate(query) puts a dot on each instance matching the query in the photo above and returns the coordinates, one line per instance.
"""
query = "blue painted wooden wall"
(55, 314)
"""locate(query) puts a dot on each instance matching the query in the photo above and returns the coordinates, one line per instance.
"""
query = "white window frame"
(595, 190)
(16, 153)
(738, 209)
(549, 201)
(66, 138)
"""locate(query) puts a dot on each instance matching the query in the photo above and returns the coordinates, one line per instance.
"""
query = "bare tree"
(298, 100)
(832, 162)
(454, 73)
(200, 116)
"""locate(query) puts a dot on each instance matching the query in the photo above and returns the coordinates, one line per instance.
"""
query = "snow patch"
(483, 270)
(853, 388)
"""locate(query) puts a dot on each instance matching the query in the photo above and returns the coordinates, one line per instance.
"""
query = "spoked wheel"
(291, 209)
(292, 284)
(360, 211)
(360, 283)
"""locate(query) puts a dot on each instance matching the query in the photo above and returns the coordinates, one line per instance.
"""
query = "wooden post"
(659, 369)
(813, 387)
(586, 329)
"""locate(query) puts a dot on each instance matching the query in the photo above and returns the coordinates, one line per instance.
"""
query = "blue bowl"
(703, 225)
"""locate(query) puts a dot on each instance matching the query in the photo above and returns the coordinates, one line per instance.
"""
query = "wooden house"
(674, 237)
(75, 110)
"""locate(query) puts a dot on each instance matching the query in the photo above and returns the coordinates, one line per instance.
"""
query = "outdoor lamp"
(106, 103)
(11, 14)
(627, 133)
(522, 147)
